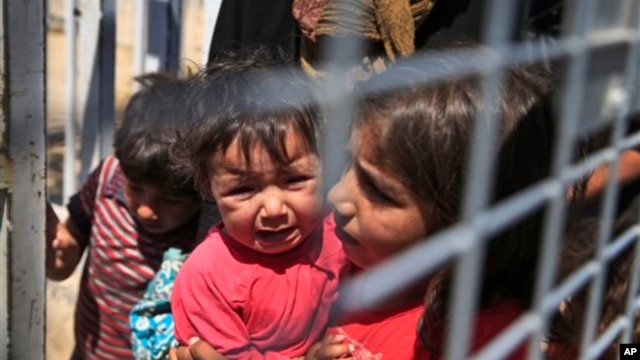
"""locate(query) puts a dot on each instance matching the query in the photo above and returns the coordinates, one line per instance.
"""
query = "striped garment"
(121, 260)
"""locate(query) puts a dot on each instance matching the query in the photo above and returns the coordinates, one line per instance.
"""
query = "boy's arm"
(64, 246)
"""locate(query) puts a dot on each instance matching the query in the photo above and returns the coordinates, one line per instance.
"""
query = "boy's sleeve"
(81, 204)
(203, 306)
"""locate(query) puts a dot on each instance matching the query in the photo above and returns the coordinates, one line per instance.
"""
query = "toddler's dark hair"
(152, 119)
(255, 96)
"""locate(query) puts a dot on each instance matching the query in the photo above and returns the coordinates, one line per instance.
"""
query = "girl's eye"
(376, 194)
(371, 190)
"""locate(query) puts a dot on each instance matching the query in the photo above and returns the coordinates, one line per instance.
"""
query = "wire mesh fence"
(595, 43)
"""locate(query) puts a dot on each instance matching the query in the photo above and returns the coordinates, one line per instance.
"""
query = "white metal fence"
(601, 43)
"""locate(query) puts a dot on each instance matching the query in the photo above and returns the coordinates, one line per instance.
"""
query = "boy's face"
(156, 210)
(266, 207)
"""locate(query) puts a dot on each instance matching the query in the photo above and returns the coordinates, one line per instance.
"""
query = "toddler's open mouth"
(272, 236)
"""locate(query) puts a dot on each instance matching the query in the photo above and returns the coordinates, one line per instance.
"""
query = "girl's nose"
(340, 195)
(145, 212)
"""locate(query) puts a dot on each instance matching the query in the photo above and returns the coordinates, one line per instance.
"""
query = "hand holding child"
(197, 350)
(331, 347)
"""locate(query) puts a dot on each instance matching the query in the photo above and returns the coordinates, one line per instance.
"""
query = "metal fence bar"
(478, 187)
(338, 103)
(633, 74)
(106, 115)
(591, 30)
(632, 295)
(617, 105)
(5, 273)
(211, 12)
(23, 170)
(141, 27)
(4, 259)
(70, 183)
(478, 191)
(600, 345)
(158, 30)
(566, 130)
(96, 77)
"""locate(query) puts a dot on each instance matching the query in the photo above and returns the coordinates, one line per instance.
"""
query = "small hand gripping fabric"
(152, 326)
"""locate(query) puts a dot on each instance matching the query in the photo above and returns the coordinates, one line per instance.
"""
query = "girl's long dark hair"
(423, 136)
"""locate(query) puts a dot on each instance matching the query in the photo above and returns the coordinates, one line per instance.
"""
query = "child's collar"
(115, 186)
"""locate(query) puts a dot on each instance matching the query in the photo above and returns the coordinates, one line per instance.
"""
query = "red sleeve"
(204, 305)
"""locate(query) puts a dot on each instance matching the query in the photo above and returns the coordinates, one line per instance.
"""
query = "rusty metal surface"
(23, 180)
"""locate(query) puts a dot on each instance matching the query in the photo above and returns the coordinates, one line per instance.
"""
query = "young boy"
(131, 209)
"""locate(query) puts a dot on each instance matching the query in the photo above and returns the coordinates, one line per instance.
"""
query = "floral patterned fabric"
(152, 326)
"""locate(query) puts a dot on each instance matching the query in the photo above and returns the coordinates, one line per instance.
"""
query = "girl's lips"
(343, 236)
(346, 238)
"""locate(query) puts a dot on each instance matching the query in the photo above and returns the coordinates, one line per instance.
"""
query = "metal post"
(141, 16)
(70, 178)
(158, 31)
(22, 180)
(96, 79)
(211, 12)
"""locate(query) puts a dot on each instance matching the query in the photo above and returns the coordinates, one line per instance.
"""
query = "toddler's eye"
(241, 190)
(296, 179)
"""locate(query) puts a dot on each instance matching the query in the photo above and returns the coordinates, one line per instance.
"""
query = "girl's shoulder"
(491, 321)
(504, 311)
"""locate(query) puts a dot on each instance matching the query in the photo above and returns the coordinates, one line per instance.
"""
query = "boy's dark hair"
(150, 125)
(423, 135)
(256, 96)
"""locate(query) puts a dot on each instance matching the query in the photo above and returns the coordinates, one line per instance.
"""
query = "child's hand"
(331, 347)
(63, 250)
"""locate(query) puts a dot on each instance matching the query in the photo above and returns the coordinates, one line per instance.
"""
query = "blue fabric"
(152, 327)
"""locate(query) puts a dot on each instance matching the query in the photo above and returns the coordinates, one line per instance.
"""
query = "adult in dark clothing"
(243, 23)
(454, 19)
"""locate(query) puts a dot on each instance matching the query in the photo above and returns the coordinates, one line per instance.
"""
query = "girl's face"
(375, 214)
(267, 207)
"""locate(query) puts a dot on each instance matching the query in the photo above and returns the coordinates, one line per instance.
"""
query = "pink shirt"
(250, 305)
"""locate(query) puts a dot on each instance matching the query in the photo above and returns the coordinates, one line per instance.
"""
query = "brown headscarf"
(390, 22)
